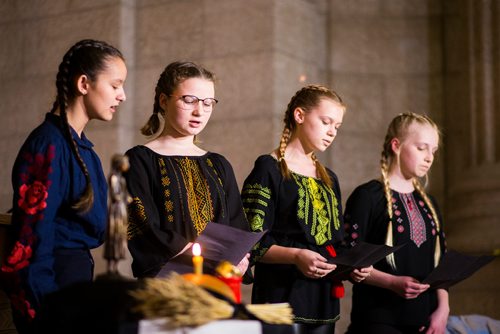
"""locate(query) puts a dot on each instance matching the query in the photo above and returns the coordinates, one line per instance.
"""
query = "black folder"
(455, 267)
(362, 255)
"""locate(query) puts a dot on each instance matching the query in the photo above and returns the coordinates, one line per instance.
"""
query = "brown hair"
(87, 57)
(398, 128)
(306, 98)
(174, 74)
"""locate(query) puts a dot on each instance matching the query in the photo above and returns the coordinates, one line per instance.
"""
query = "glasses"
(190, 102)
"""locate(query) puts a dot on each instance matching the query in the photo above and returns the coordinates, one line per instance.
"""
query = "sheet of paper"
(218, 243)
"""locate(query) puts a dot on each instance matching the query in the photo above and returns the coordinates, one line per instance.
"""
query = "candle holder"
(231, 275)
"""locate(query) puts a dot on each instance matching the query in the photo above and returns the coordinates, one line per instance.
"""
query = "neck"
(399, 182)
(77, 119)
(296, 151)
(170, 145)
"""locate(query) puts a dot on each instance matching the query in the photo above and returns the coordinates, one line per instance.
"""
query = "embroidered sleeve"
(232, 193)
(258, 198)
(151, 244)
(357, 216)
(36, 180)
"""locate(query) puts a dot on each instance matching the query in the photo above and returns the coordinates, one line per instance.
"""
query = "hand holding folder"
(362, 255)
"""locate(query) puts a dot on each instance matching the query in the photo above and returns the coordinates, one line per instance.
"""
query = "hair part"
(87, 57)
(306, 98)
(174, 74)
(398, 128)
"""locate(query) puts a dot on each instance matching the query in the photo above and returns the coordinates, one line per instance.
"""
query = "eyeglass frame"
(197, 99)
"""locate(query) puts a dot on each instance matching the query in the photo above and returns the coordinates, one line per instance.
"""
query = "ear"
(395, 145)
(298, 115)
(163, 102)
(82, 84)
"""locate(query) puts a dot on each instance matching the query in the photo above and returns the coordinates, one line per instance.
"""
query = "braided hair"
(398, 128)
(87, 57)
(306, 98)
(174, 74)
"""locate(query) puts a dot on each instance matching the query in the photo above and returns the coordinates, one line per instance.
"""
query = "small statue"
(116, 233)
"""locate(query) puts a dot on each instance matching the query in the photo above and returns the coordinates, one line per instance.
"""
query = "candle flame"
(196, 249)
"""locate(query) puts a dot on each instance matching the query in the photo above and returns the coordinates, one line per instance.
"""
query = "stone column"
(472, 144)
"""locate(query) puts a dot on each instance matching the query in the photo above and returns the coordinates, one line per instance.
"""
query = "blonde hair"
(306, 98)
(398, 128)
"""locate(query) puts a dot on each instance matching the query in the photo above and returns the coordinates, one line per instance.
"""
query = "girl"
(293, 196)
(177, 187)
(60, 192)
(396, 210)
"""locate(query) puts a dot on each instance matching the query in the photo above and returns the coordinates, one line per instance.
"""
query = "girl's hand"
(312, 264)
(407, 287)
(243, 265)
(438, 320)
(358, 275)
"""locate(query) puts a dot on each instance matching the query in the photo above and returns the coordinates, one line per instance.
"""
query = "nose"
(122, 96)
(429, 157)
(332, 132)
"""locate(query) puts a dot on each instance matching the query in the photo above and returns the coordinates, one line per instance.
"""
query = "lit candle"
(197, 259)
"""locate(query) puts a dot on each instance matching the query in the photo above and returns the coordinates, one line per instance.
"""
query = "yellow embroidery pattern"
(165, 182)
(137, 218)
(255, 194)
(197, 192)
(316, 196)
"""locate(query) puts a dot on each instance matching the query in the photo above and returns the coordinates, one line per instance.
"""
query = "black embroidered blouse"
(174, 198)
(366, 219)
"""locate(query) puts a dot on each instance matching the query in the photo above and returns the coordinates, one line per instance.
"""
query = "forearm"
(281, 255)
(380, 279)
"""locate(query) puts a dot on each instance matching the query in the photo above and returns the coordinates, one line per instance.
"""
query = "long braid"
(153, 124)
(89, 53)
(428, 202)
(389, 240)
(285, 137)
(321, 171)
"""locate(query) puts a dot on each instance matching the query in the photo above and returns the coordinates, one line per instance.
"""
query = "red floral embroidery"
(32, 197)
(18, 258)
(22, 305)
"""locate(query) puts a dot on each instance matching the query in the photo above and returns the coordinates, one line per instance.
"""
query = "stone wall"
(382, 56)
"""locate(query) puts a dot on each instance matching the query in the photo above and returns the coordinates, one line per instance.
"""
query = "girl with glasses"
(177, 187)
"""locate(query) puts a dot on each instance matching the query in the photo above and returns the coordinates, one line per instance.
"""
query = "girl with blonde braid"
(396, 210)
(297, 200)
(60, 192)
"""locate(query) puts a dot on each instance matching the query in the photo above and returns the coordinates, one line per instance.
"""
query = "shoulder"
(266, 162)
(46, 138)
(371, 189)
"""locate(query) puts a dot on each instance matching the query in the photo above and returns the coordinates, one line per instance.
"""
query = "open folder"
(455, 267)
(362, 255)
(218, 243)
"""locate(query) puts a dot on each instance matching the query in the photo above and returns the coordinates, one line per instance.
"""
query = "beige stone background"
(384, 57)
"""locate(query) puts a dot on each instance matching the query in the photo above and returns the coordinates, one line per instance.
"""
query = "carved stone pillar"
(472, 145)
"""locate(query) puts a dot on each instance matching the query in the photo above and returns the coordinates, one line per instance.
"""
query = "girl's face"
(105, 93)
(183, 118)
(415, 154)
(318, 128)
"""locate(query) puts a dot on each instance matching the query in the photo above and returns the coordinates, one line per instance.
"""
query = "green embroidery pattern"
(314, 209)
(256, 194)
